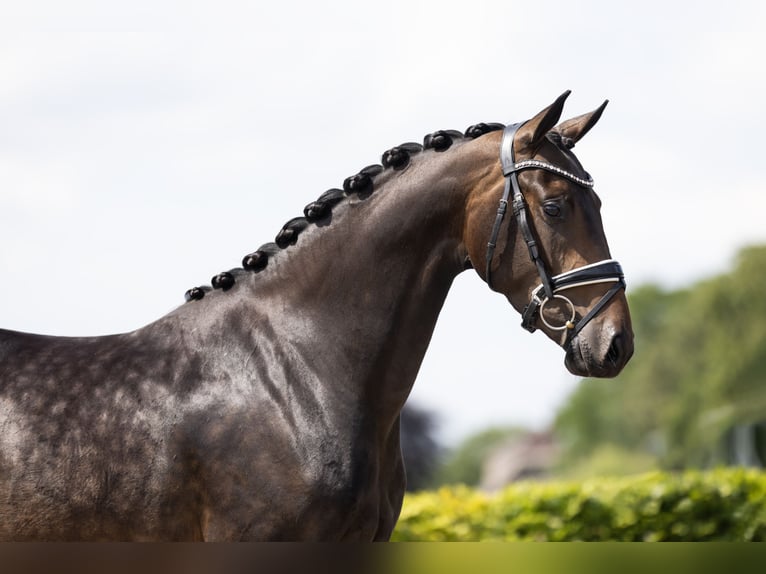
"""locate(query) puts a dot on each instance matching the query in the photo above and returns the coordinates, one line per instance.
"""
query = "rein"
(606, 271)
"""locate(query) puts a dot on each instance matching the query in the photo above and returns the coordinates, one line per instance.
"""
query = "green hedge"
(724, 504)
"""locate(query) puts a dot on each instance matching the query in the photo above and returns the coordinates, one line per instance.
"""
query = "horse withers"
(267, 406)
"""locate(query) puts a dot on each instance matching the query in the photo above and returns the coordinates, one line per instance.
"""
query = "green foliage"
(721, 505)
(463, 465)
(698, 369)
(607, 460)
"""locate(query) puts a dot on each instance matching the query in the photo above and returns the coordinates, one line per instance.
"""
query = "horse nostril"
(615, 351)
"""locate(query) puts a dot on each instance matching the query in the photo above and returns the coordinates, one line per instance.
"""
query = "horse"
(267, 405)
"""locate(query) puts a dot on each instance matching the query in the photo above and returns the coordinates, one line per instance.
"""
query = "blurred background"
(146, 147)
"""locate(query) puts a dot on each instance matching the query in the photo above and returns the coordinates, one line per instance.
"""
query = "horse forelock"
(360, 185)
(559, 140)
(564, 145)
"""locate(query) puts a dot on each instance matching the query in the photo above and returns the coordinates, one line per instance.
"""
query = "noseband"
(550, 288)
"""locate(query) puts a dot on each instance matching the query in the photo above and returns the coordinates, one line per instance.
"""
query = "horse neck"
(365, 289)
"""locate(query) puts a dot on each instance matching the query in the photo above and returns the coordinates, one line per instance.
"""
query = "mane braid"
(360, 184)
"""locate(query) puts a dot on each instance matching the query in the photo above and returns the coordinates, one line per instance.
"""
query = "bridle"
(550, 288)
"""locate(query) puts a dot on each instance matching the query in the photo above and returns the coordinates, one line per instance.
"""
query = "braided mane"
(360, 184)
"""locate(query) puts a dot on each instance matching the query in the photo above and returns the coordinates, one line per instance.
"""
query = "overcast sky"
(145, 148)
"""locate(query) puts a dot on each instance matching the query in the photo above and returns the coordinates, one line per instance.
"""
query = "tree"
(463, 464)
(698, 372)
(420, 450)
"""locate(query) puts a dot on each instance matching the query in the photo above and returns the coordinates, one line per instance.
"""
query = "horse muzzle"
(599, 352)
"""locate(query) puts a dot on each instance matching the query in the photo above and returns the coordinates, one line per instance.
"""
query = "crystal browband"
(537, 164)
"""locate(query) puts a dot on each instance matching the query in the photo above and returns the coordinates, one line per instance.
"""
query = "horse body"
(268, 409)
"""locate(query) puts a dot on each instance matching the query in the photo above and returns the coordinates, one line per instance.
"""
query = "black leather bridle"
(550, 288)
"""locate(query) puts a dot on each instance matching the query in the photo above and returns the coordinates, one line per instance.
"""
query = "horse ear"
(577, 127)
(531, 134)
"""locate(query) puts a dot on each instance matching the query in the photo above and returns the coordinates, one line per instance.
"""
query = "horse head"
(543, 246)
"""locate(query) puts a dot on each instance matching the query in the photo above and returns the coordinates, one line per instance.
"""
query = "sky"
(146, 147)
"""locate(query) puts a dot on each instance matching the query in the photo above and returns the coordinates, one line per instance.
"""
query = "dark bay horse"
(267, 406)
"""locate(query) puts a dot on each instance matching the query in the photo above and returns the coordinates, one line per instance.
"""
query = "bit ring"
(569, 324)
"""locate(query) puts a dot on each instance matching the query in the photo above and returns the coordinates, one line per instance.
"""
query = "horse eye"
(552, 209)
